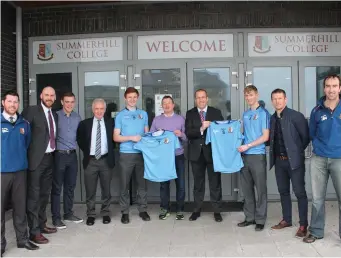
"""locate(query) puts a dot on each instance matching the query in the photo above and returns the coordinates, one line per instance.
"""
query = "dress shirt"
(205, 113)
(46, 110)
(7, 116)
(104, 140)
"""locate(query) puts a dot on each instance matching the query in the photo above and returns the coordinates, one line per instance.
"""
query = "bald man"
(40, 163)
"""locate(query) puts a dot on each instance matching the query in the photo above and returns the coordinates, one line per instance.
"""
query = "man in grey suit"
(40, 163)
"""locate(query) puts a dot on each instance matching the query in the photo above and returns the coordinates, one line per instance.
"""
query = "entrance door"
(312, 74)
(105, 81)
(154, 80)
(220, 81)
(267, 76)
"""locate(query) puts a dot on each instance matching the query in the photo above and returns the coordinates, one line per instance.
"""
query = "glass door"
(155, 80)
(220, 80)
(105, 81)
(267, 76)
(312, 74)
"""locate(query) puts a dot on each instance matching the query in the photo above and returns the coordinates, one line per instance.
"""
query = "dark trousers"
(39, 184)
(130, 163)
(13, 189)
(180, 186)
(98, 169)
(283, 176)
(254, 174)
(214, 178)
(64, 175)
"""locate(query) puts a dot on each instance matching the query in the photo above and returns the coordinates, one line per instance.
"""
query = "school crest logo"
(166, 140)
(140, 116)
(5, 130)
(262, 44)
(45, 52)
(324, 117)
(255, 117)
(230, 130)
(340, 116)
(22, 130)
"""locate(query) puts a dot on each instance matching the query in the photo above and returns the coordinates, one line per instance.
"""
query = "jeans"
(64, 175)
(321, 168)
(180, 186)
(284, 174)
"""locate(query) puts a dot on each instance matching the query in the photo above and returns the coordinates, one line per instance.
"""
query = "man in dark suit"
(95, 139)
(40, 163)
(197, 121)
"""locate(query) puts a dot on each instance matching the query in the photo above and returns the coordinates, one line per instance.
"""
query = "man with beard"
(40, 163)
(15, 138)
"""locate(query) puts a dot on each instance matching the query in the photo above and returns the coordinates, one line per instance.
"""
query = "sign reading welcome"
(185, 46)
(78, 50)
(294, 44)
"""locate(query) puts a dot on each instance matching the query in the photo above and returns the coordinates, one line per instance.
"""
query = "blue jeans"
(64, 175)
(180, 186)
(321, 168)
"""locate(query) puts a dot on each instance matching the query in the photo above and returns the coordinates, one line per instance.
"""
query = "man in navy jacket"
(15, 139)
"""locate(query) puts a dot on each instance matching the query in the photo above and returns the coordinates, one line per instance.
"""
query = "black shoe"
(218, 217)
(144, 216)
(106, 219)
(59, 224)
(28, 245)
(259, 227)
(246, 223)
(2, 252)
(90, 221)
(125, 218)
(194, 216)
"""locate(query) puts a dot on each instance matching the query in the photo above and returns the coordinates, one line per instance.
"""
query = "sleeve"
(191, 131)
(301, 125)
(312, 124)
(153, 126)
(28, 135)
(118, 121)
(208, 135)
(80, 134)
(27, 115)
(183, 130)
(265, 120)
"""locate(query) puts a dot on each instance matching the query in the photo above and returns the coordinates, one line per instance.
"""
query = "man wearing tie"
(95, 139)
(40, 163)
(197, 121)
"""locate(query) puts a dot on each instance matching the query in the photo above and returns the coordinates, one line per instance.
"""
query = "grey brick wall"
(117, 17)
(8, 48)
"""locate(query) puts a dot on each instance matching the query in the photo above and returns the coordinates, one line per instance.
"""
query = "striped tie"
(98, 141)
(202, 116)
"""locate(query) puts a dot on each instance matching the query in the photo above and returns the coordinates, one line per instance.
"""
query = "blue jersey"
(225, 138)
(158, 151)
(131, 123)
(254, 122)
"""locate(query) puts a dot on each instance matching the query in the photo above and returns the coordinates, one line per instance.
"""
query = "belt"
(49, 153)
(283, 157)
(103, 156)
(66, 151)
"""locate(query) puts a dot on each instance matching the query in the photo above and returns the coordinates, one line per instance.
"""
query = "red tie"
(202, 116)
(52, 138)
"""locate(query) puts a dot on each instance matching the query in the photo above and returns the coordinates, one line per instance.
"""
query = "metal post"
(19, 58)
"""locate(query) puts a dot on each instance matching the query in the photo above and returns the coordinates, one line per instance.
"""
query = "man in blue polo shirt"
(130, 124)
(256, 126)
(325, 132)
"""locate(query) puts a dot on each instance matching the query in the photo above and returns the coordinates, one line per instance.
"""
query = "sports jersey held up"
(225, 137)
(158, 150)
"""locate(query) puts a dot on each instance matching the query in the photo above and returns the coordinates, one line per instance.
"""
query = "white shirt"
(104, 140)
(205, 110)
(7, 116)
(46, 110)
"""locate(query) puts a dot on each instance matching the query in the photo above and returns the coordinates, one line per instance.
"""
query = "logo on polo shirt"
(5, 130)
(22, 130)
(324, 117)
(340, 116)
(140, 116)
(255, 117)
(230, 130)
(166, 141)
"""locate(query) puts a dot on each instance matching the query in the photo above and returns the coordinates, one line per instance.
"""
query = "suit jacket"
(84, 140)
(40, 135)
(196, 141)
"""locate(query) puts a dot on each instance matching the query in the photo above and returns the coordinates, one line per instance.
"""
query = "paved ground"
(202, 238)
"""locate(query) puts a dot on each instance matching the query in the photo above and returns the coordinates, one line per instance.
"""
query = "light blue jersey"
(131, 123)
(158, 151)
(225, 138)
(254, 122)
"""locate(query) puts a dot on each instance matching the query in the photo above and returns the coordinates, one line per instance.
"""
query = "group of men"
(39, 158)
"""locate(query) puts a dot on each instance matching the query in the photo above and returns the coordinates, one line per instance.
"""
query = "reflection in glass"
(313, 82)
(102, 85)
(160, 81)
(216, 81)
(266, 79)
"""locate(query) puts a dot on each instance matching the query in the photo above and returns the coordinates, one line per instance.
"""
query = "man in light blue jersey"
(226, 158)
(175, 123)
(130, 124)
(256, 121)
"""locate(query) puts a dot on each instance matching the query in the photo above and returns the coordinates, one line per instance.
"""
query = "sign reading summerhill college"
(78, 50)
(185, 46)
(294, 44)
